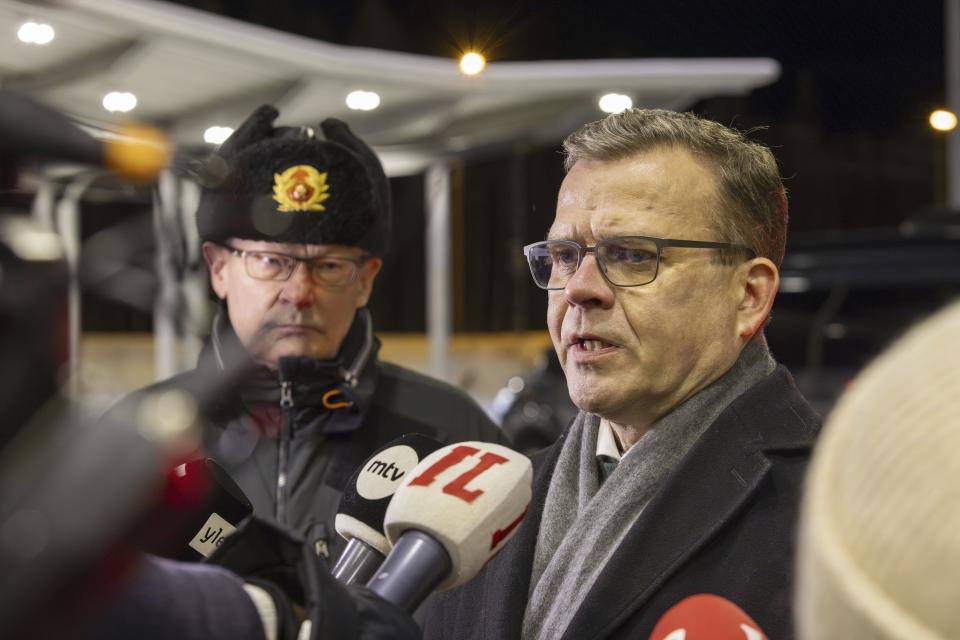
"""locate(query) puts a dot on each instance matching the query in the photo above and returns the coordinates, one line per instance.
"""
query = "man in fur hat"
(294, 226)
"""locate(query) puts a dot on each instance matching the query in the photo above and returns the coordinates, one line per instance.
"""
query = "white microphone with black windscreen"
(449, 516)
(364, 504)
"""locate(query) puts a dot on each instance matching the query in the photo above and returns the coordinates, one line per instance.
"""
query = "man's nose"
(588, 287)
(299, 290)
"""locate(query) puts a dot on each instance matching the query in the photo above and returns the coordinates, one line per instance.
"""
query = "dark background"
(847, 120)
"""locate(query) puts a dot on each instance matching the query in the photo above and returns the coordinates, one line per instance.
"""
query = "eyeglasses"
(330, 271)
(629, 261)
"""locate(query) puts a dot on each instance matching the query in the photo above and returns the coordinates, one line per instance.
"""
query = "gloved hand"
(264, 554)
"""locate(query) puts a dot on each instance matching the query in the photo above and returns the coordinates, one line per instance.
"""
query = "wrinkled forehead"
(664, 193)
(590, 226)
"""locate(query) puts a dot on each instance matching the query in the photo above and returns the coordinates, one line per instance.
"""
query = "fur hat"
(286, 184)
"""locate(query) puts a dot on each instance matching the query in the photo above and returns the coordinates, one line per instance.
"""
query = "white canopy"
(191, 70)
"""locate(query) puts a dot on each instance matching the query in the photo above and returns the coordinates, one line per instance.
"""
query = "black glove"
(378, 619)
(300, 583)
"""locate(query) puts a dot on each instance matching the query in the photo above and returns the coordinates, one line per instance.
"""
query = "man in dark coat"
(294, 224)
(681, 474)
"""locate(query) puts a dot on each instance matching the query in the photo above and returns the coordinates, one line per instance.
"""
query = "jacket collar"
(343, 384)
(508, 574)
(720, 474)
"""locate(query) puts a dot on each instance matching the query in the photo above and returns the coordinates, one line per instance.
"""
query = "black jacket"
(289, 441)
(723, 523)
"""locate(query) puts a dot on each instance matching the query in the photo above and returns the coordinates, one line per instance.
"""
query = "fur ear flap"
(256, 127)
(337, 131)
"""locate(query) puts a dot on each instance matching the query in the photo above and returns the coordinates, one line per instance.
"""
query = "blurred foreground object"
(880, 553)
(33, 291)
(29, 129)
(76, 499)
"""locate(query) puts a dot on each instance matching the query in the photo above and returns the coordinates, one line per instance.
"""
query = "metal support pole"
(164, 320)
(518, 222)
(194, 281)
(44, 202)
(952, 66)
(439, 260)
(68, 225)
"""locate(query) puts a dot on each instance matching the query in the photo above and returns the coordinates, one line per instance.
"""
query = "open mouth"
(592, 344)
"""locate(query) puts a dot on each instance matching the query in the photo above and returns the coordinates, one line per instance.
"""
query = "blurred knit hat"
(289, 184)
(880, 530)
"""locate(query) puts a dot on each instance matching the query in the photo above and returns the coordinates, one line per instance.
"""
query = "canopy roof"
(191, 70)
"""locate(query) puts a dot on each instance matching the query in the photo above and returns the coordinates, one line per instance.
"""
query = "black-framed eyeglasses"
(329, 271)
(629, 261)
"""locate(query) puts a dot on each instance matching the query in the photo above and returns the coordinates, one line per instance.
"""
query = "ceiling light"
(119, 101)
(943, 120)
(363, 100)
(472, 63)
(615, 103)
(217, 135)
(35, 33)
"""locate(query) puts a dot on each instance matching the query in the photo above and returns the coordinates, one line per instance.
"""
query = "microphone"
(203, 505)
(364, 504)
(449, 516)
(30, 128)
(706, 616)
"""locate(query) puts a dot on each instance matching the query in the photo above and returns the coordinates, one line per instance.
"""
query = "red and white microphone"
(706, 616)
(449, 516)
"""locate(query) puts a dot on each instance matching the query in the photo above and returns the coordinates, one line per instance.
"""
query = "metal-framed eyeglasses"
(628, 261)
(329, 271)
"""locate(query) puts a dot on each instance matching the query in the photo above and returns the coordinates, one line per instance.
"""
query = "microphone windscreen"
(137, 152)
(370, 488)
(706, 616)
(201, 506)
(470, 497)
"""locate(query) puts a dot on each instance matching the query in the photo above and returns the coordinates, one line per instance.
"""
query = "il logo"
(458, 486)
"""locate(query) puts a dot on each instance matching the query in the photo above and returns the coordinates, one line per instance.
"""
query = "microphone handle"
(357, 563)
(416, 565)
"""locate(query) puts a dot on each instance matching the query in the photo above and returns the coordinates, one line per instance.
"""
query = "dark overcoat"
(723, 522)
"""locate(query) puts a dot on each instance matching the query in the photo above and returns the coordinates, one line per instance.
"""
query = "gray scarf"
(583, 523)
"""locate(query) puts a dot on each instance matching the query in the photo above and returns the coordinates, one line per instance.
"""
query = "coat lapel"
(704, 492)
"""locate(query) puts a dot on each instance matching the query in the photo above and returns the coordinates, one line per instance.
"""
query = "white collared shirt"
(607, 442)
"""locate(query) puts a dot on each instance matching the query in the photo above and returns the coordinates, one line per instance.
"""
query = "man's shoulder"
(416, 387)
(775, 411)
(424, 399)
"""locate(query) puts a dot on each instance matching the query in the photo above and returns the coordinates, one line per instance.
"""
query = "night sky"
(847, 119)
(868, 66)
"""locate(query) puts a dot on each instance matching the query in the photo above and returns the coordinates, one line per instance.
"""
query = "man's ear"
(368, 273)
(216, 257)
(758, 280)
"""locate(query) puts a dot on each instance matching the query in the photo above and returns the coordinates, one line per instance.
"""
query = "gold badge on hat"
(300, 188)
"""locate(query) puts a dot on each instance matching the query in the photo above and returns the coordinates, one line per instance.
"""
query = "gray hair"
(752, 202)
